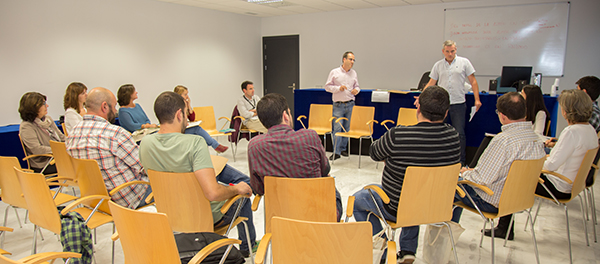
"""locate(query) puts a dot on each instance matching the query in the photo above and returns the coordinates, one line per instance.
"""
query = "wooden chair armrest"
(240, 117)
(256, 202)
(460, 192)
(115, 236)
(149, 198)
(594, 166)
(46, 256)
(340, 119)
(332, 118)
(57, 184)
(27, 170)
(60, 179)
(226, 118)
(385, 122)
(229, 203)
(541, 181)
(4, 228)
(350, 207)
(77, 202)
(560, 176)
(391, 252)
(261, 253)
(38, 155)
(300, 117)
(481, 187)
(120, 187)
(372, 121)
(379, 192)
(202, 254)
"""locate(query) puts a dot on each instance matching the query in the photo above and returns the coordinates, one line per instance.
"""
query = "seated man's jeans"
(143, 202)
(363, 204)
(482, 204)
(231, 175)
(197, 130)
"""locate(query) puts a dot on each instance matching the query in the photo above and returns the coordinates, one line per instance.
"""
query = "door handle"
(293, 86)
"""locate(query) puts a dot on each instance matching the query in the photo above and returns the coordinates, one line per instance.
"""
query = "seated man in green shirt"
(172, 151)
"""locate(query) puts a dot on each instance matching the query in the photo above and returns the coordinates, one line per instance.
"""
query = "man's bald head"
(101, 102)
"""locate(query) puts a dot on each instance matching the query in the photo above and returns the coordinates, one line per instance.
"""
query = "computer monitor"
(511, 75)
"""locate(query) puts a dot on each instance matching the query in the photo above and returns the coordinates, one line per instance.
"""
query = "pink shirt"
(338, 77)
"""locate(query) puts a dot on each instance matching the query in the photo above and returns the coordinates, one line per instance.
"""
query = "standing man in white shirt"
(246, 105)
(343, 84)
(451, 73)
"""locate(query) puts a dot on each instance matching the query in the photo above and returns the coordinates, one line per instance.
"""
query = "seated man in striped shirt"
(430, 143)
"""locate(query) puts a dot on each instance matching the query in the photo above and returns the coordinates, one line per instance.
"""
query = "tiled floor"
(550, 229)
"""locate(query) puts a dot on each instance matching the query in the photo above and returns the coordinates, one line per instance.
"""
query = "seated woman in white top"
(536, 109)
(74, 104)
(574, 141)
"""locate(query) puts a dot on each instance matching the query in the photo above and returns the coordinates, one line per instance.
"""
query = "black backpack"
(189, 244)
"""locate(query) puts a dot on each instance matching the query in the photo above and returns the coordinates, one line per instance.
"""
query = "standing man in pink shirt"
(343, 84)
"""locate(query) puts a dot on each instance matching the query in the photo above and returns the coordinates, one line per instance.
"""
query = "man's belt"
(345, 102)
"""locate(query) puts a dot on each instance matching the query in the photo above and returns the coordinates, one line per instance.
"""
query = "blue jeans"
(482, 204)
(143, 202)
(197, 130)
(341, 110)
(363, 204)
(457, 115)
(231, 175)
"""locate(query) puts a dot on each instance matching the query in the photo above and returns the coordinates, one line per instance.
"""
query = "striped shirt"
(424, 145)
(516, 142)
(283, 152)
(116, 153)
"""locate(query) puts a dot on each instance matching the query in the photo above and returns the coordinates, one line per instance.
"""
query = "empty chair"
(206, 114)
(361, 126)
(319, 119)
(406, 117)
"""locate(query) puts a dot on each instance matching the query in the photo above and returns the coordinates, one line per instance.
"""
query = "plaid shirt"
(516, 142)
(116, 153)
(283, 152)
(595, 119)
(75, 236)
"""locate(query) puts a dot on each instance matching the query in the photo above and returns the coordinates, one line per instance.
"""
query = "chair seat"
(321, 131)
(62, 198)
(352, 134)
(216, 133)
(223, 229)
(486, 214)
(97, 220)
(564, 201)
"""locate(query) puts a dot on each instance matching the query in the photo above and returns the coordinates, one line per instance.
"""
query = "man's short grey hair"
(449, 43)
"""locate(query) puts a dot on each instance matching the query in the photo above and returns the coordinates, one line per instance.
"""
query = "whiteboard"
(517, 35)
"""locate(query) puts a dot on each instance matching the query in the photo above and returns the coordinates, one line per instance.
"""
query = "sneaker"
(246, 253)
(221, 148)
(344, 153)
(334, 156)
(405, 257)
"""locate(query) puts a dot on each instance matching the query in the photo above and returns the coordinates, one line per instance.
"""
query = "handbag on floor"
(380, 244)
(437, 244)
(189, 244)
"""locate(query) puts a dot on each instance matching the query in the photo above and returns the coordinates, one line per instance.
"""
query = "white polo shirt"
(452, 77)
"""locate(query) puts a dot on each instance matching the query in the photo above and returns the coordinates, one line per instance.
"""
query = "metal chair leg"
(593, 212)
(537, 255)
(34, 246)
(493, 246)
(359, 150)
(482, 231)
(512, 218)
(453, 242)
(568, 233)
(113, 244)
(583, 213)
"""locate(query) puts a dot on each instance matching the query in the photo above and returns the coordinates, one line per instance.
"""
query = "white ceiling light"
(264, 1)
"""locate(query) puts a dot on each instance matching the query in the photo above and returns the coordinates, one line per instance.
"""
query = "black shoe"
(500, 233)
(334, 156)
(344, 153)
(245, 253)
(405, 257)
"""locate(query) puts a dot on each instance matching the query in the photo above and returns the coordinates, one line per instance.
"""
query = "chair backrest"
(180, 196)
(64, 129)
(207, 115)
(309, 199)
(64, 165)
(424, 80)
(407, 116)
(145, 237)
(319, 115)
(295, 241)
(41, 206)
(360, 116)
(427, 195)
(90, 181)
(24, 151)
(9, 183)
(584, 169)
(519, 187)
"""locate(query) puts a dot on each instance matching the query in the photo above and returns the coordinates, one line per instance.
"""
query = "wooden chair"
(12, 193)
(180, 196)
(27, 157)
(319, 120)
(42, 209)
(296, 241)
(206, 114)
(578, 187)
(41, 258)
(517, 195)
(64, 166)
(406, 117)
(361, 126)
(589, 190)
(4, 229)
(426, 198)
(153, 242)
(64, 129)
(308, 199)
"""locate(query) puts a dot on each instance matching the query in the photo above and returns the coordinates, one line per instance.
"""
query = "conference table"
(484, 121)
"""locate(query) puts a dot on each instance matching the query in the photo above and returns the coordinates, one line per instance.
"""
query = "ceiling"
(294, 7)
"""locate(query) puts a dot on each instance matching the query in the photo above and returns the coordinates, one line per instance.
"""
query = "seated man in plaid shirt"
(283, 152)
(112, 147)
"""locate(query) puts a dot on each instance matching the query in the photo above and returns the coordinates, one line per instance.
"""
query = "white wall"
(45, 45)
(394, 46)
